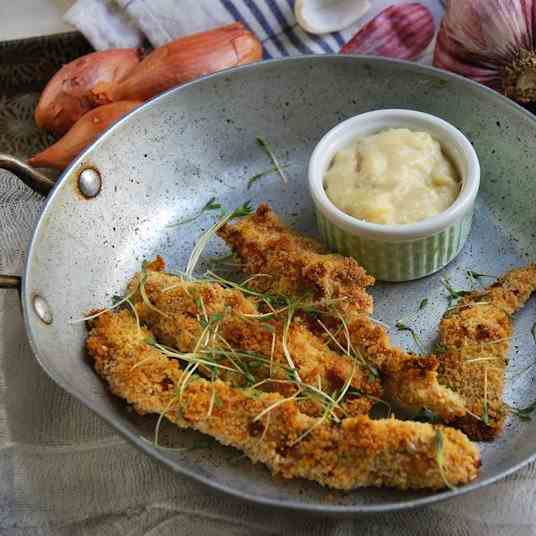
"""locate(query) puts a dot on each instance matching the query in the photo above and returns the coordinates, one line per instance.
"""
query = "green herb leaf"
(218, 402)
(268, 327)
(476, 275)
(255, 178)
(439, 443)
(453, 294)
(485, 414)
(423, 304)
(439, 348)
(525, 414)
(150, 340)
(403, 327)
(209, 205)
(264, 145)
(243, 210)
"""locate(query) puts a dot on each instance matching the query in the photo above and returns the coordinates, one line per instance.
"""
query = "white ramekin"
(397, 252)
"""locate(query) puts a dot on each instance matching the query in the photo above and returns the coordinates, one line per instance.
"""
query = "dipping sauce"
(395, 176)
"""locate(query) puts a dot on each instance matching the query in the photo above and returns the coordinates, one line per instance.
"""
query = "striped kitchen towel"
(106, 23)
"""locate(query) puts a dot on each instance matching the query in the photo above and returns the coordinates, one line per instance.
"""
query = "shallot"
(492, 42)
(68, 95)
(401, 31)
(183, 60)
(83, 132)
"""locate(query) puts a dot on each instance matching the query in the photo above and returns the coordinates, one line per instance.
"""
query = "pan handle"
(39, 183)
(36, 180)
(10, 282)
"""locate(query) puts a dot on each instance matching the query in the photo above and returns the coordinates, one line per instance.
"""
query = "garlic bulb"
(324, 16)
(492, 42)
(401, 31)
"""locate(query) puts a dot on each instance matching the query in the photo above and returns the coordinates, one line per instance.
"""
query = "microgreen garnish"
(525, 414)
(439, 349)
(423, 304)
(485, 413)
(475, 275)
(146, 301)
(440, 458)
(211, 204)
(264, 145)
(243, 210)
(255, 178)
(174, 400)
(454, 295)
(403, 327)
(135, 313)
(286, 352)
(117, 301)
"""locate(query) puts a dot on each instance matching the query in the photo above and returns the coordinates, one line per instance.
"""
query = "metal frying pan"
(114, 205)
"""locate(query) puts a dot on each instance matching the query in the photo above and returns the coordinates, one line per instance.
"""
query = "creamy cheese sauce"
(395, 176)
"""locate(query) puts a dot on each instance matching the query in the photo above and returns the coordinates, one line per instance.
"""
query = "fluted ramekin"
(399, 252)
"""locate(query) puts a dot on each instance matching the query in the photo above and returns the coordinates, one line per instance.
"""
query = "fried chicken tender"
(175, 311)
(295, 264)
(410, 382)
(475, 339)
(264, 245)
(270, 429)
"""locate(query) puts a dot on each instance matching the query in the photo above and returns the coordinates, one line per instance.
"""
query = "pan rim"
(294, 505)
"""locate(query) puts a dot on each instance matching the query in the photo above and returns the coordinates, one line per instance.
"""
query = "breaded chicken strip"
(264, 245)
(268, 428)
(411, 382)
(178, 313)
(295, 264)
(474, 339)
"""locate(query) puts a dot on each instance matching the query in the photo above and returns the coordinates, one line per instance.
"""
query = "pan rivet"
(90, 183)
(42, 310)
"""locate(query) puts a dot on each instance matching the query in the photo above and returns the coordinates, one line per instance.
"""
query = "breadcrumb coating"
(356, 452)
(295, 264)
(265, 245)
(475, 338)
(177, 309)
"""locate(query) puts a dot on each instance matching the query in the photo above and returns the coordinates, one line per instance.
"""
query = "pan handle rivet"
(89, 183)
(42, 310)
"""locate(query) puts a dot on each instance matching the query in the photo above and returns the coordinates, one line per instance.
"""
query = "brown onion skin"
(69, 94)
(84, 131)
(182, 60)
